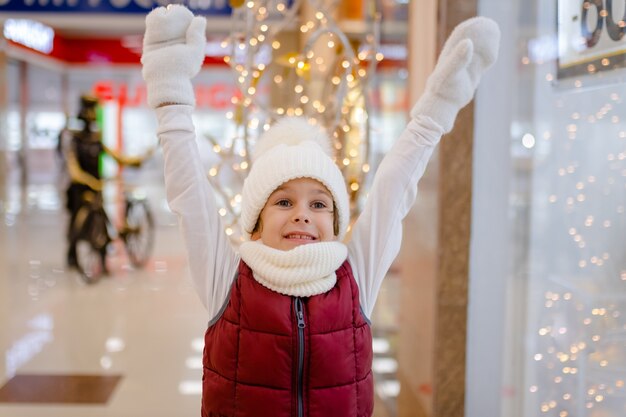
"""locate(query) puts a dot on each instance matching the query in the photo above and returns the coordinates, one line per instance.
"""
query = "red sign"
(215, 96)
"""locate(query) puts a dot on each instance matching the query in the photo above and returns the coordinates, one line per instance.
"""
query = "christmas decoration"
(293, 58)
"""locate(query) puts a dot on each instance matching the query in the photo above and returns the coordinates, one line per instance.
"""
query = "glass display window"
(565, 350)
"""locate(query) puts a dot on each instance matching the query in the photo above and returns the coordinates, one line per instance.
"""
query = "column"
(435, 254)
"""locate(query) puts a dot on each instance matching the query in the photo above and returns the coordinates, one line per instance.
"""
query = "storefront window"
(44, 118)
(567, 201)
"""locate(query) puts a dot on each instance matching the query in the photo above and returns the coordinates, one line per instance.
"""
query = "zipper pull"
(300, 313)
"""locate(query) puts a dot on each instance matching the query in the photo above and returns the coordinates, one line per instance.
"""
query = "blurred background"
(508, 296)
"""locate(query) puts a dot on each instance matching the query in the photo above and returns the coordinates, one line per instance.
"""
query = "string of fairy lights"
(293, 58)
(576, 358)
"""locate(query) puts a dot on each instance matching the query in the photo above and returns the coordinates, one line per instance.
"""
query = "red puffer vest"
(272, 355)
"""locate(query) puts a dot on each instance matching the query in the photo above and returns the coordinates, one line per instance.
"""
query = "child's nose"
(301, 215)
(301, 218)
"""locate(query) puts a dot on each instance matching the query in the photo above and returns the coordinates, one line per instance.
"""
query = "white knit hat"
(291, 148)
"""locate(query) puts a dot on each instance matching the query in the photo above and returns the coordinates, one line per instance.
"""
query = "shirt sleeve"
(377, 233)
(212, 259)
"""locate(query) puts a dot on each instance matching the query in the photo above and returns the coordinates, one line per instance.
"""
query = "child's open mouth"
(300, 236)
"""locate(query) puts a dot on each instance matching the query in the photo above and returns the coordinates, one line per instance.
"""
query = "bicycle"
(92, 231)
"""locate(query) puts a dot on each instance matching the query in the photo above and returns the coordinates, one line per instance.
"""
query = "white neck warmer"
(304, 271)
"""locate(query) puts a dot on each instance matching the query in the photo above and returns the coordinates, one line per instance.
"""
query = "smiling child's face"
(298, 212)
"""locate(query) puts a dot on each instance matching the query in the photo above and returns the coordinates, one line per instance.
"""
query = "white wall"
(489, 249)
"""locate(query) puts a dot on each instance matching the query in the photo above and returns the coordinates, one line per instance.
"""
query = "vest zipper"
(299, 309)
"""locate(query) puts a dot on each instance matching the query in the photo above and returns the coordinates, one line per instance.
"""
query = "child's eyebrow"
(324, 192)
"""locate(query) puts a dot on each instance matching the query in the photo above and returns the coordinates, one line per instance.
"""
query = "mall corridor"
(139, 332)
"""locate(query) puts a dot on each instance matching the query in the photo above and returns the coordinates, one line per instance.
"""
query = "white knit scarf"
(304, 271)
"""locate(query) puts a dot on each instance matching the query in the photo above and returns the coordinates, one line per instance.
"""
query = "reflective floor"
(129, 345)
(143, 326)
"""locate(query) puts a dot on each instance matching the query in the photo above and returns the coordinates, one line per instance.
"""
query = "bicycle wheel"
(88, 261)
(90, 240)
(138, 233)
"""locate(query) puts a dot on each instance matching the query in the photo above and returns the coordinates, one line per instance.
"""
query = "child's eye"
(283, 202)
(319, 205)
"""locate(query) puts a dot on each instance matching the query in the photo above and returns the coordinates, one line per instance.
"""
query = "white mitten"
(173, 53)
(469, 51)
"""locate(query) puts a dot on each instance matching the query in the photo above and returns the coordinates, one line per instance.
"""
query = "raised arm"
(133, 161)
(469, 51)
(173, 52)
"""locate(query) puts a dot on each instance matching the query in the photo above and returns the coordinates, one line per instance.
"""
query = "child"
(288, 332)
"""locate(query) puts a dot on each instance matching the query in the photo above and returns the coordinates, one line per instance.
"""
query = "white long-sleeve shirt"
(376, 235)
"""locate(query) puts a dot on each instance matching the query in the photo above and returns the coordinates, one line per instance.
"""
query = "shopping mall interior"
(508, 295)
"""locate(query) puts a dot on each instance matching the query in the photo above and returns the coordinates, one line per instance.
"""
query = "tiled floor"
(59, 389)
(128, 346)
